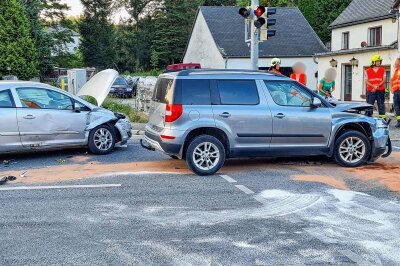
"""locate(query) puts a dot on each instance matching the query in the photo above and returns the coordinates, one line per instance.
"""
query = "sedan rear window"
(163, 91)
(5, 99)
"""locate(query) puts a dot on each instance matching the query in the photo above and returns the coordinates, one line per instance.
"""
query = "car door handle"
(29, 117)
(280, 115)
(225, 115)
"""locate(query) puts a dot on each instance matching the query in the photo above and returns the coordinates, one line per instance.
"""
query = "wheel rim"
(103, 139)
(206, 156)
(352, 150)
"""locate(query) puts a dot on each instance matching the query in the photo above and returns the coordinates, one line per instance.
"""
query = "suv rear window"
(163, 91)
(196, 92)
(238, 92)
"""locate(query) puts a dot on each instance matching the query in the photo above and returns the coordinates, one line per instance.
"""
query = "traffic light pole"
(254, 38)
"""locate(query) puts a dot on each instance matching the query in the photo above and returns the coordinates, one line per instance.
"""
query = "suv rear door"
(240, 108)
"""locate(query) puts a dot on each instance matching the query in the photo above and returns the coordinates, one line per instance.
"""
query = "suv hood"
(353, 107)
(99, 85)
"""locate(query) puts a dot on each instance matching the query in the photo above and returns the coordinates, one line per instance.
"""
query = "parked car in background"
(121, 88)
(206, 116)
(59, 82)
(37, 116)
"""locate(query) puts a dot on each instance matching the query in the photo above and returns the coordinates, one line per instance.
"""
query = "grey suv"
(206, 116)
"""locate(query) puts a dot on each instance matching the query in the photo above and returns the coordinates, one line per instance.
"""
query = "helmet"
(375, 58)
(275, 61)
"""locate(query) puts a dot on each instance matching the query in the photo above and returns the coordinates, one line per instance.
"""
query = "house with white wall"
(217, 40)
(365, 28)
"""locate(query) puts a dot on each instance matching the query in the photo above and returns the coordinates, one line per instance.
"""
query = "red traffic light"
(259, 11)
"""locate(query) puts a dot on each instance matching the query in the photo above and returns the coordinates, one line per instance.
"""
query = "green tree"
(173, 23)
(97, 34)
(219, 3)
(17, 48)
(325, 13)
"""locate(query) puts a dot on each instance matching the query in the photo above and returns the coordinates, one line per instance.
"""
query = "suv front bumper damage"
(382, 143)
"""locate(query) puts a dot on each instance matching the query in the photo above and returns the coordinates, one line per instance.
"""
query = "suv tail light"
(173, 112)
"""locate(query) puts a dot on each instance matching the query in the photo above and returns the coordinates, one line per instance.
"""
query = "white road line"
(398, 148)
(228, 178)
(60, 187)
(245, 189)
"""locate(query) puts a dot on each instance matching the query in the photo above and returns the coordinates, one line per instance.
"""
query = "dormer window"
(375, 36)
(345, 40)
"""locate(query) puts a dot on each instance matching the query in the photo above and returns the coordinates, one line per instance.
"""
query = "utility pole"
(254, 38)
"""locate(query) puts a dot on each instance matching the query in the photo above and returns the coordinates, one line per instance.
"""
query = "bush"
(154, 72)
(119, 106)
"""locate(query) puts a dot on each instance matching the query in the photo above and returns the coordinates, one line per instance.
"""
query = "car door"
(46, 118)
(240, 109)
(295, 122)
(9, 134)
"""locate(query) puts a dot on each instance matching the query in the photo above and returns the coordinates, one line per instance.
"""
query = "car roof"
(221, 74)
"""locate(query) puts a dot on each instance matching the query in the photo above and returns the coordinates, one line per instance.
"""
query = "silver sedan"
(38, 116)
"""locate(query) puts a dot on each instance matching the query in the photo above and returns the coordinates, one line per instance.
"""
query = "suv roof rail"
(187, 72)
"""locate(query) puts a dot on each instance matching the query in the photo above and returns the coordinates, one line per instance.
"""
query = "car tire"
(102, 140)
(205, 147)
(352, 149)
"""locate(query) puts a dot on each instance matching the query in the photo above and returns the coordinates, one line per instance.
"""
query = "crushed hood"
(99, 85)
(353, 107)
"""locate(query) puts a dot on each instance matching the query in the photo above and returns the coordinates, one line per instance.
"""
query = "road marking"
(228, 178)
(398, 148)
(60, 187)
(354, 257)
(245, 189)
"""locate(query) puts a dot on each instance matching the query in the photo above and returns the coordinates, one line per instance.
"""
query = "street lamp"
(333, 63)
(354, 62)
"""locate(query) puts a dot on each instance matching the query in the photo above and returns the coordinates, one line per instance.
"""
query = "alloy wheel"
(206, 156)
(103, 139)
(352, 150)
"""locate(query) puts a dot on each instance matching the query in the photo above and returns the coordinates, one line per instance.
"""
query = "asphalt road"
(254, 212)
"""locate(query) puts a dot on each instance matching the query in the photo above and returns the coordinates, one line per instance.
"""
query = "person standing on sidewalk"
(395, 89)
(298, 74)
(375, 81)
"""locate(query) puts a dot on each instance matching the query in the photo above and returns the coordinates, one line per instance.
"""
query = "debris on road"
(61, 161)
(23, 174)
(4, 179)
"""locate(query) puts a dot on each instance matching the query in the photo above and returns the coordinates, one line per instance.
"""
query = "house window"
(388, 77)
(375, 36)
(345, 40)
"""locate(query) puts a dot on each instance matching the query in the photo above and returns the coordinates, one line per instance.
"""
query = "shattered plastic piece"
(4, 179)
(61, 161)
(23, 174)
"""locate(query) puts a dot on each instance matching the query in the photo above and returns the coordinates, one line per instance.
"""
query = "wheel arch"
(362, 127)
(212, 131)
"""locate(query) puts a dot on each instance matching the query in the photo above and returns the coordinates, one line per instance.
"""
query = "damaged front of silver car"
(103, 125)
(359, 116)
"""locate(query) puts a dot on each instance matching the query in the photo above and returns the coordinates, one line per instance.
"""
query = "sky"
(76, 9)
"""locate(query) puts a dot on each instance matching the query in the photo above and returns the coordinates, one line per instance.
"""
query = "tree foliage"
(173, 23)
(97, 34)
(17, 48)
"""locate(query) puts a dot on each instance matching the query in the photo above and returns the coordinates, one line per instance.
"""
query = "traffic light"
(265, 31)
(244, 12)
(259, 20)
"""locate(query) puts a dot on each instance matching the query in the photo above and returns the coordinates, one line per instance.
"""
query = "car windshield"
(120, 81)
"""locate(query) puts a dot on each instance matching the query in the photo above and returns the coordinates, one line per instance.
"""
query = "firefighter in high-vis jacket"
(395, 89)
(375, 81)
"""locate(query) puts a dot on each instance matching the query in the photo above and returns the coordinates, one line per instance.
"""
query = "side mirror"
(316, 102)
(74, 108)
